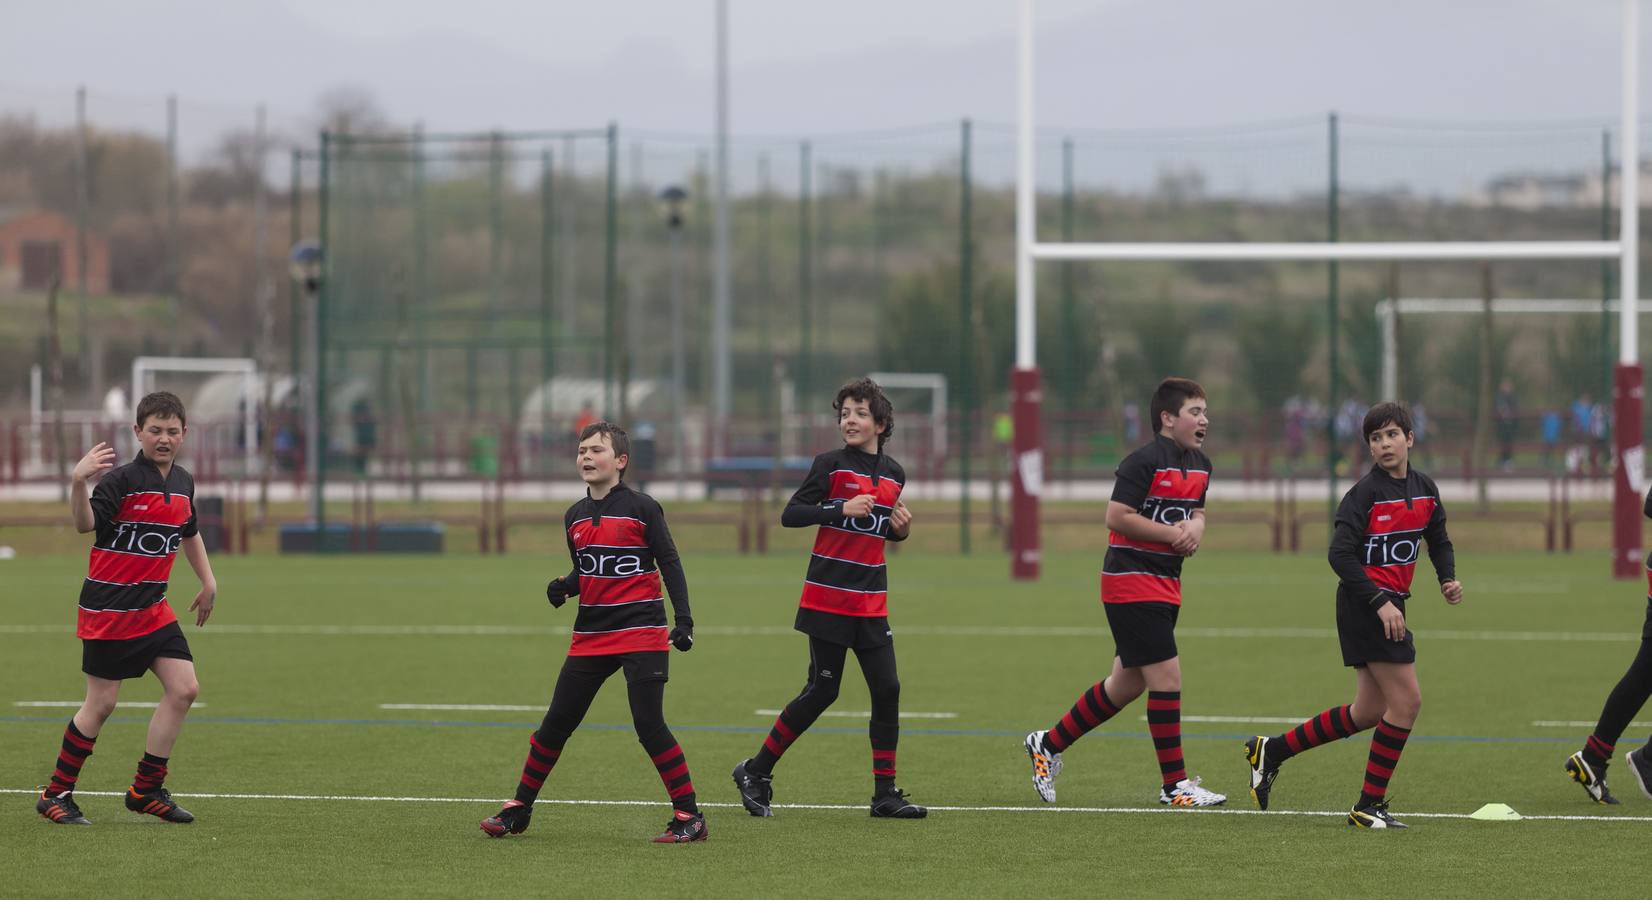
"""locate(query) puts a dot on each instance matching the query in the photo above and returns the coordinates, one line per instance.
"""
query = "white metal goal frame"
(935, 383)
(144, 366)
(1028, 449)
(1390, 309)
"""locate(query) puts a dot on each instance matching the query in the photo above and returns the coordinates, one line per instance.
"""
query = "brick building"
(36, 243)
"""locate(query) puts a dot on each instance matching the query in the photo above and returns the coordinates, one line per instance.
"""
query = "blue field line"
(764, 729)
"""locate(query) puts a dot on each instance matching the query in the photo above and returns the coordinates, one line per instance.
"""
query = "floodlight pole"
(1027, 458)
(1629, 479)
(315, 440)
(721, 318)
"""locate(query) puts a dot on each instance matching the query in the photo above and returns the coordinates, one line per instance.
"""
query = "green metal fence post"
(295, 227)
(547, 323)
(322, 295)
(966, 333)
(472, 379)
(421, 314)
(1607, 357)
(1069, 325)
(765, 290)
(1333, 312)
(821, 262)
(610, 272)
(496, 228)
(805, 284)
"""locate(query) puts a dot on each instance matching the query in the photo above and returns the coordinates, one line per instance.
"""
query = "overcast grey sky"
(761, 31)
(807, 67)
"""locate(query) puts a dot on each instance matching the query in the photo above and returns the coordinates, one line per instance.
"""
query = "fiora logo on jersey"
(612, 565)
(133, 537)
(1165, 513)
(876, 523)
(1392, 549)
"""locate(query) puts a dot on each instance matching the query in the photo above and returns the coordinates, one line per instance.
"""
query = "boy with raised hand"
(1155, 519)
(1380, 527)
(621, 552)
(852, 494)
(1587, 766)
(143, 513)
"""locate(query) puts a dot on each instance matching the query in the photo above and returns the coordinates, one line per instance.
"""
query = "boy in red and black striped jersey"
(1381, 525)
(852, 495)
(143, 513)
(1587, 766)
(622, 552)
(1155, 519)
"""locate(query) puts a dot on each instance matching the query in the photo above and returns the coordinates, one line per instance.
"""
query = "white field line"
(854, 714)
(1248, 720)
(854, 807)
(991, 631)
(1577, 723)
(463, 707)
(135, 704)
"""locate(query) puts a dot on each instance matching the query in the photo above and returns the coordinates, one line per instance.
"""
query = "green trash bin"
(484, 455)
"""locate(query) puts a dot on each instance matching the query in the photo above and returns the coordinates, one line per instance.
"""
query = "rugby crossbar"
(1326, 252)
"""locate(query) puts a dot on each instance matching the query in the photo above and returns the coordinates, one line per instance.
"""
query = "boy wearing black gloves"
(622, 551)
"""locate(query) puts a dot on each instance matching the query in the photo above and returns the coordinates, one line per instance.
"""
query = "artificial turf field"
(334, 794)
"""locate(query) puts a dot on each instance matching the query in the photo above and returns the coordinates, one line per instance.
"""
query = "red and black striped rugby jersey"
(1164, 483)
(847, 576)
(1381, 526)
(621, 548)
(1646, 510)
(141, 520)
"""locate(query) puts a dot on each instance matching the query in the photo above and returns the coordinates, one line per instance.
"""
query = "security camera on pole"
(672, 200)
(306, 265)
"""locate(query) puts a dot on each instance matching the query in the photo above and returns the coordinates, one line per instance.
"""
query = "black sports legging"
(576, 687)
(1630, 693)
(576, 690)
(826, 659)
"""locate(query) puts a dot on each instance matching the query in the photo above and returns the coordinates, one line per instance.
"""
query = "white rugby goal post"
(1026, 483)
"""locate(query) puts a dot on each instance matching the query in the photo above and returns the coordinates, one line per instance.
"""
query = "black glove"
(557, 592)
(682, 637)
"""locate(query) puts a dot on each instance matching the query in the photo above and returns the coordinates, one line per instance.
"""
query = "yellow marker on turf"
(1496, 812)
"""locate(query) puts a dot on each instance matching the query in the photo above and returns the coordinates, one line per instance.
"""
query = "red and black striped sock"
(673, 768)
(76, 747)
(542, 757)
(1597, 752)
(1164, 722)
(1387, 743)
(151, 773)
(1092, 709)
(884, 738)
(785, 730)
(1333, 724)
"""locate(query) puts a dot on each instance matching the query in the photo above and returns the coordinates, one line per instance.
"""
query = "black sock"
(1093, 708)
(542, 757)
(1333, 724)
(1387, 743)
(151, 774)
(76, 747)
(781, 735)
(1597, 753)
(885, 735)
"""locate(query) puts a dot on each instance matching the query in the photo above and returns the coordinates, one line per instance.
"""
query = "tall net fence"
(486, 293)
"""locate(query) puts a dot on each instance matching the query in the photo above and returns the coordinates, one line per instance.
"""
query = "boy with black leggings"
(853, 495)
(622, 551)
